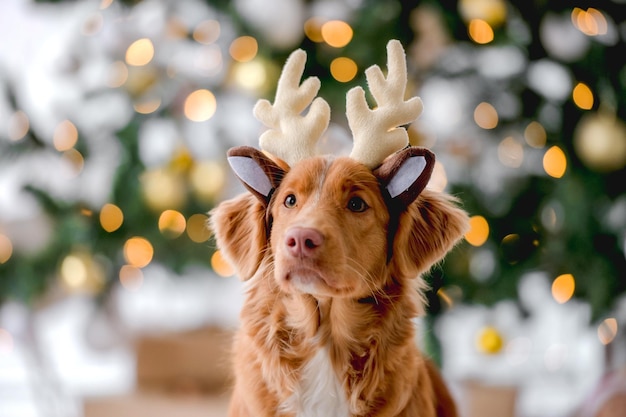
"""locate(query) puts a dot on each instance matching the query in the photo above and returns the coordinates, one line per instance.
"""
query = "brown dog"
(332, 251)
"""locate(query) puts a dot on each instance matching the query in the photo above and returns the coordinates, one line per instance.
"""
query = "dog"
(332, 250)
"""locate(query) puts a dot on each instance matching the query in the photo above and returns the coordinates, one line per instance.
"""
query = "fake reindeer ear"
(405, 174)
(258, 173)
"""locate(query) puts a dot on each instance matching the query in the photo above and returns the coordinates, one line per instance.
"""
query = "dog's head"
(345, 226)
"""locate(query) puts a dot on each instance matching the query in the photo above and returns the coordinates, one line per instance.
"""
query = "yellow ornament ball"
(489, 340)
(600, 142)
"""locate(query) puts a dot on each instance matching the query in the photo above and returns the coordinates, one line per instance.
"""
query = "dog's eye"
(290, 201)
(357, 205)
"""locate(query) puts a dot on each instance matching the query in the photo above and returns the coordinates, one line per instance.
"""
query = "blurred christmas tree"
(109, 162)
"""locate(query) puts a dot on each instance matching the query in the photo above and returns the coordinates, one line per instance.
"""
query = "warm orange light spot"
(343, 69)
(607, 330)
(207, 32)
(591, 22)
(138, 252)
(480, 31)
(510, 152)
(197, 228)
(313, 29)
(172, 223)
(555, 162)
(147, 106)
(582, 96)
(244, 49)
(6, 249)
(337, 33)
(478, 232)
(65, 136)
(200, 105)
(111, 217)
(18, 125)
(220, 265)
(486, 116)
(131, 277)
(140, 52)
(563, 288)
(535, 135)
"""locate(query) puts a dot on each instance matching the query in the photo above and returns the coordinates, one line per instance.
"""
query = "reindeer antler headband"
(377, 132)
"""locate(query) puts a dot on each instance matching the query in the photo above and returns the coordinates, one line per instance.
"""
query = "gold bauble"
(600, 142)
(489, 340)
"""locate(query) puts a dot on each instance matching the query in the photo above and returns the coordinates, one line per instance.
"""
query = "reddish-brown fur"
(352, 294)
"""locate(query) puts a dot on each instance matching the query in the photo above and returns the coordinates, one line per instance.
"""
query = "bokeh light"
(480, 31)
(138, 252)
(220, 265)
(111, 217)
(607, 330)
(336, 33)
(439, 178)
(200, 105)
(207, 32)
(6, 248)
(172, 223)
(591, 22)
(198, 229)
(147, 106)
(343, 69)
(583, 96)
(489, 340)
(486, 116)
(492, 11)
(163, 189)
(75, 160)
(478, 232)
(313, 29)
(555, 162)
(535, 135)
(81, 273)
(131, 277)
(140, 52)
(251, 75)
(65, 136)
(18, 126)
(563, 288)
(207, 179)
(118, 74)
(74, 271)
(510, 152)
(243, 49)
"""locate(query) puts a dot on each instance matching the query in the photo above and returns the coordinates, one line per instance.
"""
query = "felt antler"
(378, 132)
(292, 136)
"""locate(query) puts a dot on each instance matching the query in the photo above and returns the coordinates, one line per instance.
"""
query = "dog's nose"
(303, 241)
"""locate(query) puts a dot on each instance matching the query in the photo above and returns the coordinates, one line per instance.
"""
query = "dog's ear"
(405, 174)
(426, 231)
(258, 173)
(239, 229)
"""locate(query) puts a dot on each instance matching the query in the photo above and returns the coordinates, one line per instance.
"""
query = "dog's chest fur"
(319, 393)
